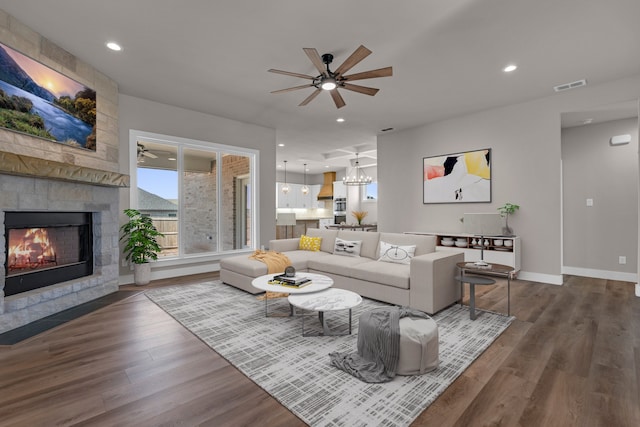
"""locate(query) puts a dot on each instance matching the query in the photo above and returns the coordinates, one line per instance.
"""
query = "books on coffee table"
(291, 281)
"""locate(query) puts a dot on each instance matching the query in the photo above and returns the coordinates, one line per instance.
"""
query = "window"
(198, 194)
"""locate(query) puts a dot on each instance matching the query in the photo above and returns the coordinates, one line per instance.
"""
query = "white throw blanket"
(378, 345)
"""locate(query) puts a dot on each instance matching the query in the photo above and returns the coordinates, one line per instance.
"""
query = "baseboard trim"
(551, 279)
(174, 272)
(600, 274)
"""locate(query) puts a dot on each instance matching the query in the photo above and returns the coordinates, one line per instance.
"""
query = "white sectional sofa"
(427, 283)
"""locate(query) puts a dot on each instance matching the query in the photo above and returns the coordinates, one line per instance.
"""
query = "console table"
(496, 249)
(497, 270)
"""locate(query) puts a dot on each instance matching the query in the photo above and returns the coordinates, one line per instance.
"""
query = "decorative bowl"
(461, 244)
(508, 242)
(497, 242)
(447, 242)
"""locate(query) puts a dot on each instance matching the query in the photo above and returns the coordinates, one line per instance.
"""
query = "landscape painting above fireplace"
(39, 101)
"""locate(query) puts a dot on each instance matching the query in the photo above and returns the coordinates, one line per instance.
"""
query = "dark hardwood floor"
(572, 358)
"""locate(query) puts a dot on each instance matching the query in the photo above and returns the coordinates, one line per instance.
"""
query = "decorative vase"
(506, 230)
(142, 273)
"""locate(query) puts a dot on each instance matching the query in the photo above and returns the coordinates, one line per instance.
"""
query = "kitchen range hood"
(326, 192)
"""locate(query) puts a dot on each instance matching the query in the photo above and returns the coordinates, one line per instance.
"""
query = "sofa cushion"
(369, 241)
(328, 238)
(300, 258)
(308, 243)
(396, 253)
(242, 264)
(386, 273)
(424, 244)
(347, 247)
(336, 264)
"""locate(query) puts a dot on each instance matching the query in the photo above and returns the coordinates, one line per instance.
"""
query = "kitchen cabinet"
(339, 190)
(288, 200)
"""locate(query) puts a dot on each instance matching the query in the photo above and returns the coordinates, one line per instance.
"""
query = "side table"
(497, 270)
(473, 281)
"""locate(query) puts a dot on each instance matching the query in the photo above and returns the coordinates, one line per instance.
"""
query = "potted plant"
(505, 211)
(359, 216)
(141, 244)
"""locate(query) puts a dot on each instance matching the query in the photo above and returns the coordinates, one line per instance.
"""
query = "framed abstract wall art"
(39, 101)
(457, 178)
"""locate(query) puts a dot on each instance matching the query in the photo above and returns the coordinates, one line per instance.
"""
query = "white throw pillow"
(396, 253)
(347, 247)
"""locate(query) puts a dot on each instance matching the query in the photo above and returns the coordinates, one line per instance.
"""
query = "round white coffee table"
(319, 282)
(332, 299)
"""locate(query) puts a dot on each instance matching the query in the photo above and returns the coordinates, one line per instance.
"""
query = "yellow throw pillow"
(310, 243)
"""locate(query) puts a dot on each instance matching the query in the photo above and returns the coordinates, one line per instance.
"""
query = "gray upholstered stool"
(418, 346)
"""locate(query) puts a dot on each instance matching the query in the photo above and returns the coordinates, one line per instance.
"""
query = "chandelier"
(356, 176)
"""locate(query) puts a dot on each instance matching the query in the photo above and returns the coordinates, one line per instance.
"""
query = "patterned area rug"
(296, 370)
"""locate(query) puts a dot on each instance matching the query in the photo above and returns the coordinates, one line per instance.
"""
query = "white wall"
(595, 236)
(148, 116)
(525, 141)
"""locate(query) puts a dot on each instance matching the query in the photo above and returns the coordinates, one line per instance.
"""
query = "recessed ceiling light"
(280, 166)
(171, 158)
(339, 120)
(326, 166)
(510, 68)
(587, 121)
(281, 145)
(114, 46)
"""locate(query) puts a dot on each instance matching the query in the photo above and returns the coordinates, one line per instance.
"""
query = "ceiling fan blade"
(310, 98)
(149, 155)
(358, 55)
(380, 72)
(337, 98)
(316, 59)
(360, 89)
(289, 89)
(288, 73)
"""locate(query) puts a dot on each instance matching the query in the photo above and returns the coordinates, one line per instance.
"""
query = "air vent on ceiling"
(571, 85)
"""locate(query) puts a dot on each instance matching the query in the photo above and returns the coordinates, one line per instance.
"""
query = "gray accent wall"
(526, 169)
(595, 236)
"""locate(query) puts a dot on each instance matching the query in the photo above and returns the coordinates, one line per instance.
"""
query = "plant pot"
(142, 273)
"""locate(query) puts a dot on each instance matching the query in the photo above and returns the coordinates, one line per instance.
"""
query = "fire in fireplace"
(44, 248)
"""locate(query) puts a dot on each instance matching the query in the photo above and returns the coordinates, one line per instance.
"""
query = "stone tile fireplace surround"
(20, 193)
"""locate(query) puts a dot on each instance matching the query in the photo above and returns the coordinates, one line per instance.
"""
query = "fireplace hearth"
(45, 248)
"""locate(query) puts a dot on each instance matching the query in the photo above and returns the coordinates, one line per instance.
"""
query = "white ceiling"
(447, 56)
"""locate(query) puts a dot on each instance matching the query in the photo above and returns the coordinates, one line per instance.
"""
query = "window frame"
(217, 148)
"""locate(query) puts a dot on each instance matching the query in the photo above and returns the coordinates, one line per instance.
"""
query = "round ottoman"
(418, 346)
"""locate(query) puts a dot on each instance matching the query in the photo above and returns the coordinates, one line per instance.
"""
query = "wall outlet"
(589, 202)
(622, 260)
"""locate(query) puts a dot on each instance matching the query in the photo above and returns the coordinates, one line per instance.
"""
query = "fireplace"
(45, 248)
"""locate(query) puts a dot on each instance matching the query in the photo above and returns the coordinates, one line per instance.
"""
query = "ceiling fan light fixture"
(328, 83)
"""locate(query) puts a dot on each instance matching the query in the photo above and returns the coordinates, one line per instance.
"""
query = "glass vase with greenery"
(506, 210)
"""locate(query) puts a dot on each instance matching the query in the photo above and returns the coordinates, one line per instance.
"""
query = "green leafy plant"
(505, 210)
(508, 208)
(141, 238)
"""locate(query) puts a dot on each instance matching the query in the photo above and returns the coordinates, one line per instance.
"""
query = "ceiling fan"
(331, 81)
(143, 152)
